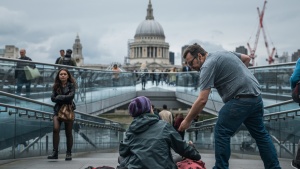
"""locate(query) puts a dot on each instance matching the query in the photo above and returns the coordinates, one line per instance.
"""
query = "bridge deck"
(83, 160)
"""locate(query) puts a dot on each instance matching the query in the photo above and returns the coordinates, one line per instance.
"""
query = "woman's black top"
(64, 95)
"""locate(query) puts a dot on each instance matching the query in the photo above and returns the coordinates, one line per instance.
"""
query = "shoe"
(295, 165)
(68, 156)
(54, 155)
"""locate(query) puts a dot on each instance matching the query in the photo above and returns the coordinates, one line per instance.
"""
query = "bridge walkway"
(109, 158)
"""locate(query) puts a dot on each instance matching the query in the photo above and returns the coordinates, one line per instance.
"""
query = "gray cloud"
(45, 27)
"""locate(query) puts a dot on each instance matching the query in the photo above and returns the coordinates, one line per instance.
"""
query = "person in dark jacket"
(149, 141)
(67, 59)
(63, 93)
(62, 54)
(155, 111)
(177, 123)
(20, 73)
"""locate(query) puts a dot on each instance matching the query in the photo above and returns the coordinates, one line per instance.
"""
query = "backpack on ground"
(190, 164)
(296, 94)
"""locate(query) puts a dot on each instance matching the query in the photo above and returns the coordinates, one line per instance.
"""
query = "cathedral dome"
(149, 28)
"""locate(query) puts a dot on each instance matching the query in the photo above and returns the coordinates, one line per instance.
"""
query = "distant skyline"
(104, 27)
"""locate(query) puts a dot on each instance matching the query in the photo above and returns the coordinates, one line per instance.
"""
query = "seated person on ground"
(149, 141)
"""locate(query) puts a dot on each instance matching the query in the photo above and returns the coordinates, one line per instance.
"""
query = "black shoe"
(54, 155)
(294, 164)
(68, 156)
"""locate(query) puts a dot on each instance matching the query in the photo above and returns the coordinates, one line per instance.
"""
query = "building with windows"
(241, 49)
(296, 56)
(10, 51)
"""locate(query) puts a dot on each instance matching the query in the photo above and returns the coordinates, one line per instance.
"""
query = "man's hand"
(184, 125)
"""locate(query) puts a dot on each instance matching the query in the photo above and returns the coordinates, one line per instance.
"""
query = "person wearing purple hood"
(148, 141)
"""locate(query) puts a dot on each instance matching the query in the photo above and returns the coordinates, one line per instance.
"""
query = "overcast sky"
(104, 26)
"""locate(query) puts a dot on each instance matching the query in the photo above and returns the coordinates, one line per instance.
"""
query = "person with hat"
(148, 141)
(67, 59)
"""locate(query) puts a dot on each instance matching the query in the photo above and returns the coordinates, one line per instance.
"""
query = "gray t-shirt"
(228, 74)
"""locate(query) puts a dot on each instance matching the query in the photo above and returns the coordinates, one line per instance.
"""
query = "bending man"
(240, 91)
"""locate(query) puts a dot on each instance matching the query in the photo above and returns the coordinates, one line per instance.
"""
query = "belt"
(244, 96)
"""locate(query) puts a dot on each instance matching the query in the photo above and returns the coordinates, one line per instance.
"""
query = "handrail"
(57, 65)
(279, 104)
(203, 127)
(267, 117)
(49, 64)
(78, 121)
(278, 64)
(46, 104)
(286, 113)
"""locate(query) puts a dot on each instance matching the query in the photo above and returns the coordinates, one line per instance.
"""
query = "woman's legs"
(69, 135)
(56, 130)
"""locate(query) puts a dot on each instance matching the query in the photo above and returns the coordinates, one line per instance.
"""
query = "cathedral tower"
(149, 46)
(77, 51)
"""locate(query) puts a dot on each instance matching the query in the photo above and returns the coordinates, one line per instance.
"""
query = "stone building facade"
(10, 51)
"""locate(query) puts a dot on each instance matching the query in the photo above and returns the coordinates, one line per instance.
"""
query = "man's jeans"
(20, 83)
(250, 112)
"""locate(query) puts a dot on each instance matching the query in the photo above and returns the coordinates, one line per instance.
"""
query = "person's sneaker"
(68, 157)
(295, 165)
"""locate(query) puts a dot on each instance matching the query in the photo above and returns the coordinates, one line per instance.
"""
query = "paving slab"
(109, 158)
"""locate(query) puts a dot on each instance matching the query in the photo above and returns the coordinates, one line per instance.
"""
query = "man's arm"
(244, 58)
(56, 62)
(196, 108)
(32, 65)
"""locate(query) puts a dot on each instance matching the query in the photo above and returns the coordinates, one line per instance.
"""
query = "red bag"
(190, 164)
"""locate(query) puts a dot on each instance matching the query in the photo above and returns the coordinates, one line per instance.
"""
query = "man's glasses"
(190, 64)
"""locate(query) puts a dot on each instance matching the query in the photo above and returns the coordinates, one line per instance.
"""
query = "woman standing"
(115, 75)
(63, 93)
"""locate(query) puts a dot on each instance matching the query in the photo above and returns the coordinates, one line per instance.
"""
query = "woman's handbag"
(66, 113)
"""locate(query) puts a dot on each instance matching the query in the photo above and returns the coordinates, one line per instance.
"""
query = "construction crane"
(261, 27)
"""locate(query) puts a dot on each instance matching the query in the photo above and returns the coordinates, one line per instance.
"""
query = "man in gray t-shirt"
(240, 91)
(222, 70)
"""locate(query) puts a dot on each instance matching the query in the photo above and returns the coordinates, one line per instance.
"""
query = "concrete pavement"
(109, 158)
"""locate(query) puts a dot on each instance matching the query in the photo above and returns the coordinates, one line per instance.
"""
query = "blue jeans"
(20, 83)
(250, 112)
